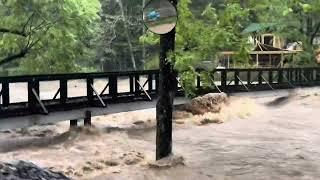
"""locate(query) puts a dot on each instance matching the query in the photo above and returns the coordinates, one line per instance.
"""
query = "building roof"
(258, 27)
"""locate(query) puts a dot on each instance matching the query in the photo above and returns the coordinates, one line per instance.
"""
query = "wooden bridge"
(141, 92)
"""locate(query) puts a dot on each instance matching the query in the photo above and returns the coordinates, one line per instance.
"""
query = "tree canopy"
(46, 35)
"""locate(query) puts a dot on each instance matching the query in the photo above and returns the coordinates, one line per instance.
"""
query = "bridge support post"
(63, 91)
(150, 82)
(249, 78)
(167, 89)
(32, 100)
(90, 91)
(270, 77)
(280, 77)
(73, 123)
(87, 118)
(113, 87)
(5, 94)
(223, 80)
(260, 73)
(236, 80)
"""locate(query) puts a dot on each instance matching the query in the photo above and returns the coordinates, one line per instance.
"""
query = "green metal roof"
(256, 27)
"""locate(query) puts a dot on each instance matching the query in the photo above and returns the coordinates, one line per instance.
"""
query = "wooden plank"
(73, 76)
(56, 94)
(280, 76)
(131, 81)
(90, 90)
(145, 92)
(270, 77)
(215, 85)
(260, 78)
(87, 118)
(137, 86)
(73, 123)
(198, 81)
(224, 79)
(97, 94)
(157, 79)
(63, 91)
(5, 94)
(264, 79)
(249, 78)
(113, 86)
(243, 83)
(33, 87)
(104, 89)
(150, 82)
(35, 94)
(236, 80)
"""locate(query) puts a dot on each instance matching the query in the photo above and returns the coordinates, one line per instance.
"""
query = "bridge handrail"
(250, 78)
(71, 76)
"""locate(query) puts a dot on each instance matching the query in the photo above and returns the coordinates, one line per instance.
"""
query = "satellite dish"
(160, 16)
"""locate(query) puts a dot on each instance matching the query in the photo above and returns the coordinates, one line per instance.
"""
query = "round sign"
(160, 16)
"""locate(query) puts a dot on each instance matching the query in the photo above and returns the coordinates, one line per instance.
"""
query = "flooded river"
(275, 136)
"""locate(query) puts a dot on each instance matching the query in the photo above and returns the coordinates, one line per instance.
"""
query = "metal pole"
(166, 93)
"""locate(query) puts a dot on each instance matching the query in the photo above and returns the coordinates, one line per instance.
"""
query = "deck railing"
(142, 85)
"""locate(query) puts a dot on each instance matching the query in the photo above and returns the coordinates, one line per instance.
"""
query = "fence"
(142, 85)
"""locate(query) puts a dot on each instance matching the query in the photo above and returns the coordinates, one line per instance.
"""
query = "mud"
(259, 136)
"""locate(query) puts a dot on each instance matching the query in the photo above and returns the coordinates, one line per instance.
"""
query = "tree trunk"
(243, 3)
(166, 91)
(133, 61)
(314, 33)
(143, 44)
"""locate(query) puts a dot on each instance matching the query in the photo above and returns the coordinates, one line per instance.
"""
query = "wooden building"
(269, 50)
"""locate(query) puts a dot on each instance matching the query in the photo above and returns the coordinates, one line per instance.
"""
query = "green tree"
(45, 36)
(122, 26)
(202, 38)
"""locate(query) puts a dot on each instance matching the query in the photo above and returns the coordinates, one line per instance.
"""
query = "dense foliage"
(47, 36)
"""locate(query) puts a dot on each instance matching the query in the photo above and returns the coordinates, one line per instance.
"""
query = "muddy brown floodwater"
(265, 135)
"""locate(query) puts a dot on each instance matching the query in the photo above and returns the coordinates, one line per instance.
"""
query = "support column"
(73, 123)
(282, 59)
(270, 61)
(87, 118)
(32, 101)
(5, 94)
(90, 91)
(167, 89)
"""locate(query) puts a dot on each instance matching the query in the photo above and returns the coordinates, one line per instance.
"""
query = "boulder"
(22, 170)
(208, 103)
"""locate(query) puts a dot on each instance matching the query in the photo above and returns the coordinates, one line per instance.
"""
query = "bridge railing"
(141, 85)
(235, 80)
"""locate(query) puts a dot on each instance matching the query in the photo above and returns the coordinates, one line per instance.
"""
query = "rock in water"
(27, 171)
(208, 103)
